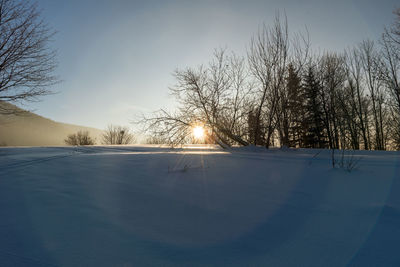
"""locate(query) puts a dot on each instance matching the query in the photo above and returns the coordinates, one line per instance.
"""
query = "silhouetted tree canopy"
(26, 59)
(281, 94)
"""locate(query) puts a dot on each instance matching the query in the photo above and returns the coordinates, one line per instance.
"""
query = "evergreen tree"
(255, 136)
(313, 133)
(295, 107)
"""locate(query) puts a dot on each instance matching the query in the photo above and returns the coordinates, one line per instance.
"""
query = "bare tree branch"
(26, 60)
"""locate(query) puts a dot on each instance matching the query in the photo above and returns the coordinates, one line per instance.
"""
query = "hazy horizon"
(114, 58)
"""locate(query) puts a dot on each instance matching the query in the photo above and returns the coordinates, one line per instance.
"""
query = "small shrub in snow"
(348, 161)
(117, 135)
(81, 138)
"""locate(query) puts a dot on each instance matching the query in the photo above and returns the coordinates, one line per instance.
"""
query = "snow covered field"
(151, 206)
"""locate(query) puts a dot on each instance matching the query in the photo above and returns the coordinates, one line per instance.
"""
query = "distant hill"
(29, 129)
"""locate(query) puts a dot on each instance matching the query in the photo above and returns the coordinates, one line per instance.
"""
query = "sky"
(116, 57)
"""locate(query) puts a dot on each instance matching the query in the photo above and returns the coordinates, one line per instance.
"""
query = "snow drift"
(155, 206)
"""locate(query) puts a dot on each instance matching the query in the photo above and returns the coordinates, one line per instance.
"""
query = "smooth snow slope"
(150, 206)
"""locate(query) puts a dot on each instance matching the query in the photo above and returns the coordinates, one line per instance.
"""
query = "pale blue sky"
(116, 57)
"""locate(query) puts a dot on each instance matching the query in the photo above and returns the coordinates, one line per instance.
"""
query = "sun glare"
(198, 132)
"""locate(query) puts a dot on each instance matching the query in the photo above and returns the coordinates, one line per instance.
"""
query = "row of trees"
(113, 135)
(281, 93)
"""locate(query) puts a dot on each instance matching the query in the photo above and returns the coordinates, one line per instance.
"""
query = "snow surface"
(196, 206)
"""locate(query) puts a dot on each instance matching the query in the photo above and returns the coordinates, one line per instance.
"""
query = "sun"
(198, 132)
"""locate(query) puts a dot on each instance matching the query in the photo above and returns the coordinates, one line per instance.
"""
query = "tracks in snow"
(6, 168)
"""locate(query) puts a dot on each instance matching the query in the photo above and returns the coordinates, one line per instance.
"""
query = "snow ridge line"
(102, 149)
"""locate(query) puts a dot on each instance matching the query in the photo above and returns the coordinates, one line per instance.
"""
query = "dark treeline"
(281, 93)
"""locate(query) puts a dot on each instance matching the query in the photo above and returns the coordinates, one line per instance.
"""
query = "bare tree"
(268, 58)
(81, 138)
(26, 60)
(117, 135)
(391, 74)
(170, 128)
(235, 105)
(394, 31)
(372, 66)
(331, 71)
(213, 96)
(354, 79)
